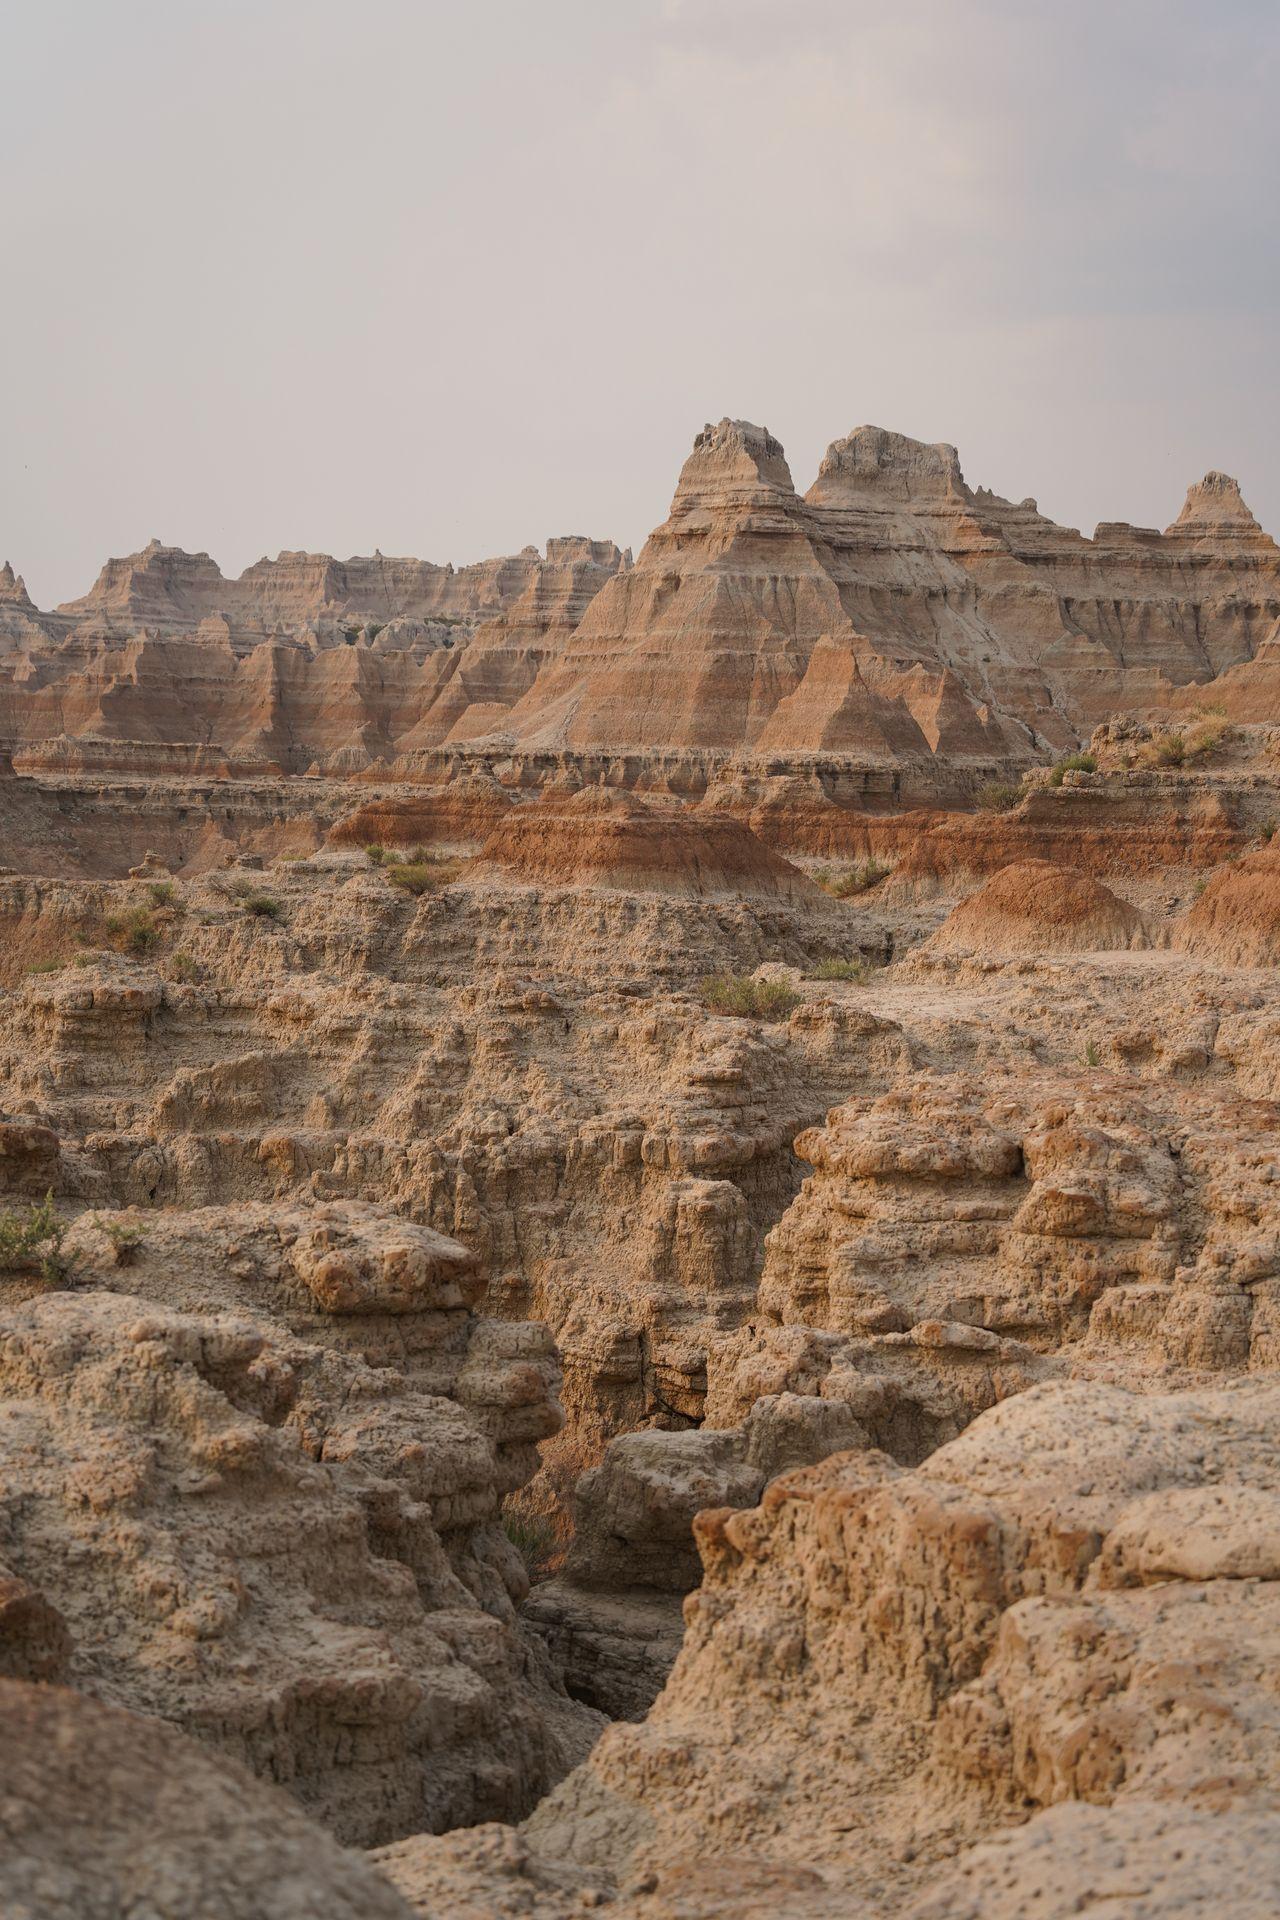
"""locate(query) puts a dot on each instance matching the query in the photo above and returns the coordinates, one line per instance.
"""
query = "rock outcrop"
(106, 1813)
(1032, 906)
(1046, 1643)
(1236, 920)
(893, 617)
(260, 1480)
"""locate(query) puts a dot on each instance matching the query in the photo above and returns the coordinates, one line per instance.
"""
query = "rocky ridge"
(892, 616)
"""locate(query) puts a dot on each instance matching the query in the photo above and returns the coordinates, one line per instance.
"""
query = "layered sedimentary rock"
(302, 660)
(902, 1206)
(892, 617)
(1236, 919)
(1032, 906)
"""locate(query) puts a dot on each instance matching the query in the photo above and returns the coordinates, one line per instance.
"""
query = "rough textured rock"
(289, 1554)
(893, 616)
(882, 1668)
(1033, 906)
(918, 1326)
(104, 1813)
(1236, 920)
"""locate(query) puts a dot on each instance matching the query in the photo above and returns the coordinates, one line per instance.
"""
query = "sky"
(445, 279)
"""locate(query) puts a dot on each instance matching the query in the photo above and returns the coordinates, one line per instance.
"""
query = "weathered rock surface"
(292, 1557)
(893, 616)
(918, 1327)
(882, 1669)
(1032, 906)
(105, 1813)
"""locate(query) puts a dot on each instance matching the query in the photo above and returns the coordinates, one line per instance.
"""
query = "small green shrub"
(421, 876)
(748, 998)
(1170, 750)
(182, 967)
(134, 931)
(126, 1241)
(262, 906)
(47, 966)
(1089, 1058)
(31, 1240)
(376, 853)
(1074, 763)
(1207, 736)
(163, 893)
(534, 1538)
(840, 970)
(1267, 830)
(851, 881)
(998, 796)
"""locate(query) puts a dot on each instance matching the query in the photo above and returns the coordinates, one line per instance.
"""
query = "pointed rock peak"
(13, 587)
(872, 462)
(731, 456)
(1215, 506)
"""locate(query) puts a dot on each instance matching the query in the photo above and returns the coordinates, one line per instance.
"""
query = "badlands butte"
(640, 1219)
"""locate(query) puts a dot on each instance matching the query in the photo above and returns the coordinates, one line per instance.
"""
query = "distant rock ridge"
(893, 615)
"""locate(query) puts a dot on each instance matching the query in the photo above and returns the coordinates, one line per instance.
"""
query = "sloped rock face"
(1032, 906)
(893, 616)
(945, 1277)
(106, 1813)
(603, 838)
(1236, 920)
(303, 661)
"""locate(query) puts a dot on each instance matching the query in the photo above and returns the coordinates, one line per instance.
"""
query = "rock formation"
(893, 617)
(1032, 906)
(592, 1143)
(105, 1813)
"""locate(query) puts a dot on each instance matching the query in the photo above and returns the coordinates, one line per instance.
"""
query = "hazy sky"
(448, 278)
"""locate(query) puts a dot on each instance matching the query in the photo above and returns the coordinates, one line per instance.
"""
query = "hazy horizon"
(446, 282)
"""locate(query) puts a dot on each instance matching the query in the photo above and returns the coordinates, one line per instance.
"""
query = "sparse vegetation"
(263, 906)
(133, 931)
(533, 1535)
(126, 1241)
(1073, 763)
(1089, 1057)
(840, 970)
(46, 966)
(375, 853)
(847, 882)
(1209, 733)
(1166, 750)
(1267, 830)
(31, 1241)
(163, 893)
(998, 796)
(750, 999)
(182, 967)
(538, 1517)
(423, 876)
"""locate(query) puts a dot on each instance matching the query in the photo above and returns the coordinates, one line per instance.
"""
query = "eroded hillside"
(604, 1311)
